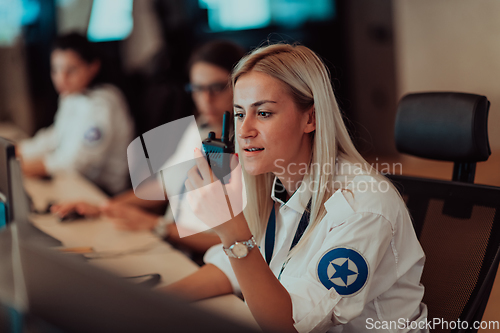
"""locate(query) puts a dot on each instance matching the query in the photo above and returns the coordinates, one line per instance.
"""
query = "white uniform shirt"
(361, 265)
(90, 134)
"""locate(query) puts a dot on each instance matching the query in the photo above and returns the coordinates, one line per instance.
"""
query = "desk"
(140, 252)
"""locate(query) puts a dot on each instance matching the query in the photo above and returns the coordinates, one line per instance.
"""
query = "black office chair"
(457, 222)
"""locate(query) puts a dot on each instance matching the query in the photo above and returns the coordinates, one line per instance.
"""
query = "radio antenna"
(225, 127)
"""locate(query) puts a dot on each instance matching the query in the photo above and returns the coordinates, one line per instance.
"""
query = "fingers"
(188, 185)
(62, 209)
(235, 161)
(194, 178)
(203, 167)
(87, 209)
(55, 208)
(82, 208)
(235, 168)
(199, 175)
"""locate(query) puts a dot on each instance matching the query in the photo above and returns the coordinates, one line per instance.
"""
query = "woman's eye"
(239, 115)
(264, 114)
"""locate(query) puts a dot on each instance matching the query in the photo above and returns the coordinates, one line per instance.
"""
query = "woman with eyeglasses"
(210, 67)
(325, 243)
(209, 71)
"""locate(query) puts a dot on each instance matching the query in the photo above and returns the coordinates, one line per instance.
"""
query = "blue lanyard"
(271, 231)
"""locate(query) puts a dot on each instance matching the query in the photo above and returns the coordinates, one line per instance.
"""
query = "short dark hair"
(221, 53)
(79, 44)
(86, 50)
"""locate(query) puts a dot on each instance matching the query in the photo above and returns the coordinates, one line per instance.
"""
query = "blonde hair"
(309, 84)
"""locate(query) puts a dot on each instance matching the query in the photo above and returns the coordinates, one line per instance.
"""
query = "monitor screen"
(7, 153)
(20, 209)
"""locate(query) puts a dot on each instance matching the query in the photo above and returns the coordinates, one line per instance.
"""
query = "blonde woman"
(325, 244)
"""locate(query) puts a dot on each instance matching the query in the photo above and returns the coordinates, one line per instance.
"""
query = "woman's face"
(271, 131)
(211, 92)
(70, 73)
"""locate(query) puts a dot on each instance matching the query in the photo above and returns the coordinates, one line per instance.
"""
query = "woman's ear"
(311, 121)
(94, 67)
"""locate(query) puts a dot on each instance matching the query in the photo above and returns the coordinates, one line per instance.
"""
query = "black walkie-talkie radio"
(218, 151)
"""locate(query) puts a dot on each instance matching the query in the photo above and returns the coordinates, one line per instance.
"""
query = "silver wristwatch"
(240, 250)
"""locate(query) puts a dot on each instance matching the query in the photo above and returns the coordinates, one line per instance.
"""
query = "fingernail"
(238, 156)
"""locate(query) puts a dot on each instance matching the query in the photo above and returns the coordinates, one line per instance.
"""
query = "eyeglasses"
(212, 89)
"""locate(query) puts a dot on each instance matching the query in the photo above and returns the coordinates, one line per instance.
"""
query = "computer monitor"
(6, 275)
(74, 296)
(7, 153)
(20, 209)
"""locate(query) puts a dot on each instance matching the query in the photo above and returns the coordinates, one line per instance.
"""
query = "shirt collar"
(300, 198)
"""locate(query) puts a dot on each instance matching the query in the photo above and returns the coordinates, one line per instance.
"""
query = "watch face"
(240, 250)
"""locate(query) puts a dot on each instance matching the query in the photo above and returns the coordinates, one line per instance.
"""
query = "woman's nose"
(61, 78)
(206, 97)
(247, 128)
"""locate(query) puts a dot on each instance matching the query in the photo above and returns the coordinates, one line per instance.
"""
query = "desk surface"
(123, 253)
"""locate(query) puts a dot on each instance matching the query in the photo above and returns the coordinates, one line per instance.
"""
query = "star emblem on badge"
(342, 272)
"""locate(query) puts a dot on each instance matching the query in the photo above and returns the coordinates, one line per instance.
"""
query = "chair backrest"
(446, 126)
(458, 225)
(457, 222)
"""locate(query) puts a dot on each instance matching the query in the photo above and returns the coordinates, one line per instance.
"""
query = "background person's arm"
(120, 200)
(133, 218)
(34, 168)
(44, 141)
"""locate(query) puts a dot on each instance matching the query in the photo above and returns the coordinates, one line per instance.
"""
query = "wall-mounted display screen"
(110, 20)
(253, 14)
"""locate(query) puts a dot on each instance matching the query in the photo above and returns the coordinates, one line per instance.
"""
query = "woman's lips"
(252, 151)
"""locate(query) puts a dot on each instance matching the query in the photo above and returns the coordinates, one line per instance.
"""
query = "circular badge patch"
(344, 269)
(92, 135)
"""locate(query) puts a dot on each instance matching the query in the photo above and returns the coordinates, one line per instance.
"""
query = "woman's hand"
(211, 201)
(81, 207)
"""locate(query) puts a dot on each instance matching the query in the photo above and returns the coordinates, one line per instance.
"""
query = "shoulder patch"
(344, 269)
(92, 135)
